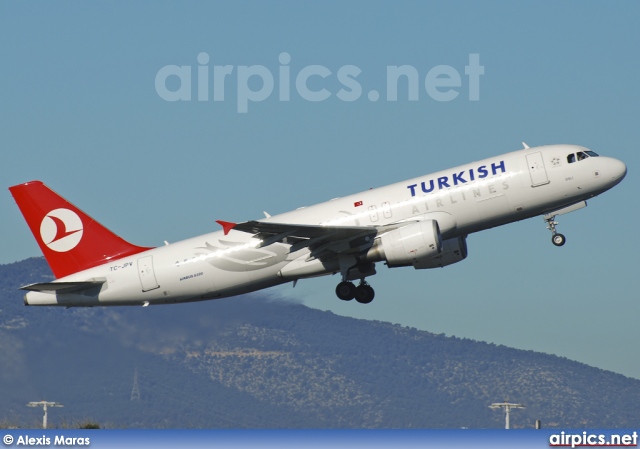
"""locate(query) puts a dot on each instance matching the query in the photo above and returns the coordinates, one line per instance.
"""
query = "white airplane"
(422, 222)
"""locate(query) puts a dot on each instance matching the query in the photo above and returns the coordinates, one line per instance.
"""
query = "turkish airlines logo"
(61, 230)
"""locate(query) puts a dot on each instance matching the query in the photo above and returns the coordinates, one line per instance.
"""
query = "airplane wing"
(63, 287)
(260, 228)
(320, 239)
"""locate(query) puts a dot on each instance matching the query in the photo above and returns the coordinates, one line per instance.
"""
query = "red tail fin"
(70, 240)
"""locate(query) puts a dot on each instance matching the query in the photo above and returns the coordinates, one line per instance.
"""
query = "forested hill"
(259, 362)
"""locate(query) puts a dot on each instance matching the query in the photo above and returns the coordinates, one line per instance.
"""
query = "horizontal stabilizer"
(63, 287)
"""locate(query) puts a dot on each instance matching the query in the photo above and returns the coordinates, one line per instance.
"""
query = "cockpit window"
(581, 155)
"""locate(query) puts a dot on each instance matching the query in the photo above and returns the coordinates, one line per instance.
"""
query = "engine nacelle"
(410, 244)
(453, 250)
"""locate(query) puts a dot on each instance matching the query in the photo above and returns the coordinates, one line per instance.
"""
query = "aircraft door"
(373, 214)
(536, 169)
(386, 209)
(146, 273)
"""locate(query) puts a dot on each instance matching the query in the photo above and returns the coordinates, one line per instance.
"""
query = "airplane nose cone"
(618, 170)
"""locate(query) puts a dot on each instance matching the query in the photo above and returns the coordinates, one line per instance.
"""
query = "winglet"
(226, 226)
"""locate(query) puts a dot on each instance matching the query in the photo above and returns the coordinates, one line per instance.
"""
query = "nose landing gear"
(556, 238)
(550, 219)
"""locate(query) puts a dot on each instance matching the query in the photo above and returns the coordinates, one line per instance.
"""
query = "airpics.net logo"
(61, 230)
(313, 83)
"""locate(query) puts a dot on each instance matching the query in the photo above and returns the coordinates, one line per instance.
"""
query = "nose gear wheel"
(556, 238)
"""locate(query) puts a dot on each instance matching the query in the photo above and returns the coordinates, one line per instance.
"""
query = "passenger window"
(571, 158)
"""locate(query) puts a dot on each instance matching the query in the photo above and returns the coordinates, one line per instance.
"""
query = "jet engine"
(409, 245)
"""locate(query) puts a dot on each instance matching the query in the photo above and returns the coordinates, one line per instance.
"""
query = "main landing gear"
(363, 293)
(556, 238)
(352, 268)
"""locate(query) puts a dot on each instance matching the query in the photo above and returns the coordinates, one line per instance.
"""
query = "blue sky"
(79, 110)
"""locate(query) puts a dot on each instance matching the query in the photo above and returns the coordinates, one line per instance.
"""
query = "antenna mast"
(507, 406)
(44, 405)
